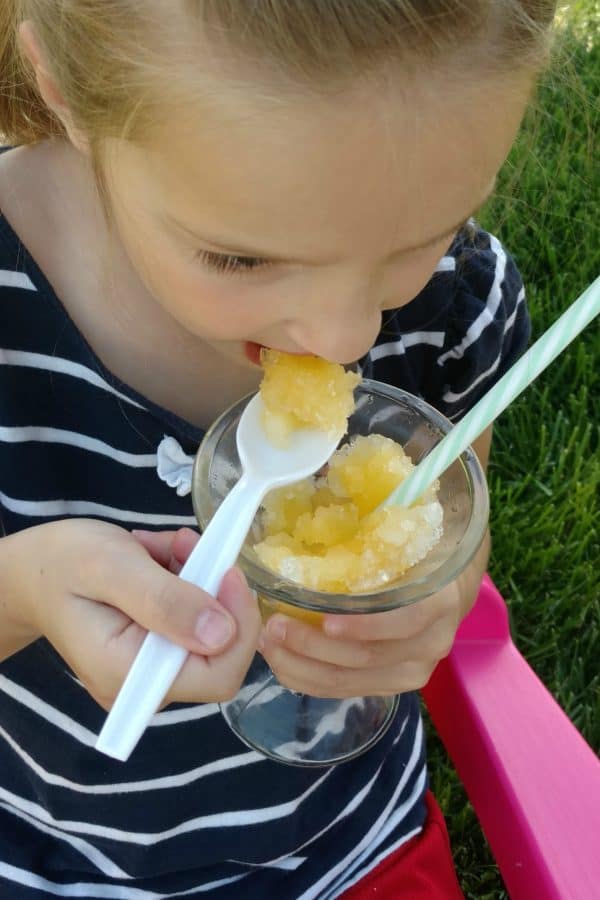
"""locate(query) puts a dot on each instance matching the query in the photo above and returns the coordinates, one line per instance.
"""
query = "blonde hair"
(112, 60)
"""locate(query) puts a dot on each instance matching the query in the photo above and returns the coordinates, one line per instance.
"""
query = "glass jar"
(297, 728)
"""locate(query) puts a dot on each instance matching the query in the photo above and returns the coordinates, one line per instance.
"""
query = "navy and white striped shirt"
(194, 813)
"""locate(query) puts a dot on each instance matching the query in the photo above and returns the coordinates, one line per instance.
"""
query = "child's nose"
(339, 317)
(341, 338)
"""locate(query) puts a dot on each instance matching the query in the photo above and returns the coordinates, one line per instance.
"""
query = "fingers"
(180, 611)
(184, 542)
(304, 640)
(98, 590)
(404, 623)
(122, 573)
(389, 654)
(100, 644)
(170, 549)
(220, 676)
(320, 679)
(309, 641)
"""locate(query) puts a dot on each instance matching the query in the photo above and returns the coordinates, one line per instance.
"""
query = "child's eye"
(228, 264)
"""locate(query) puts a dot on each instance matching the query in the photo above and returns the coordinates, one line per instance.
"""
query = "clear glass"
(296, 728)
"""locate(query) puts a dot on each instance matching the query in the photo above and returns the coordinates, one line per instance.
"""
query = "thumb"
(191, 617)
(159, 601)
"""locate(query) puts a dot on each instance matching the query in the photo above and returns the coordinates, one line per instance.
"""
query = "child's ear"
(47, 86)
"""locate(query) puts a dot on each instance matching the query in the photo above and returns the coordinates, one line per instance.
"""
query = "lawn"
(544, 472)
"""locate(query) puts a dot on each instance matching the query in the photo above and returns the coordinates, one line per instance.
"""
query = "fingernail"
(333, 627)
(213, 629)
(174, 565)
(237, 581)
(276, 629)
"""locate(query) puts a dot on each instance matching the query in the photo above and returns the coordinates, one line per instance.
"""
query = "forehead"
(364, 167)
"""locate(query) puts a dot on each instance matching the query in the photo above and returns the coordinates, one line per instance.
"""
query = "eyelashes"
(233, 264)
(226, 264)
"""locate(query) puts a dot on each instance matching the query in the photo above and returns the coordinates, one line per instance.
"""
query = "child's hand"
(94, 590)
(375, 654)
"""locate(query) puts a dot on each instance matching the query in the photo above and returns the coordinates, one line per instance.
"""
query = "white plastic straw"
(520, 376)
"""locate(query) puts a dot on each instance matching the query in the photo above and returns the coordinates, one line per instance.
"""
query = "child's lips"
(252, 351)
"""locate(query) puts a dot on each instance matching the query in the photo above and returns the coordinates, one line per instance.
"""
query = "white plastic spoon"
(159, 660)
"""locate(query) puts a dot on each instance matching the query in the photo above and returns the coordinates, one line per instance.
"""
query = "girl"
(187, 182)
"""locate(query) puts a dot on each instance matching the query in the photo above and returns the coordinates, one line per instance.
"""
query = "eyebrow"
(226, 248)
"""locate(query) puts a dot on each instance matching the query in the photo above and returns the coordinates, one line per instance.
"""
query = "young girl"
(182, 184)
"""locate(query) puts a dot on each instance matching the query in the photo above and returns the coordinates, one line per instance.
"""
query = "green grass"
(544, 471)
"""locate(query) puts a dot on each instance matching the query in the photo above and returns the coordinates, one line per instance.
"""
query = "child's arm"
(381, 653)
(16, 631)
(93, 590)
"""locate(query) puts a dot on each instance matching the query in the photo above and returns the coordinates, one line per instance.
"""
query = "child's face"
(295, 225)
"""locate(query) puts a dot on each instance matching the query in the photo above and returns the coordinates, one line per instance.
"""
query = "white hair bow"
(174, 467)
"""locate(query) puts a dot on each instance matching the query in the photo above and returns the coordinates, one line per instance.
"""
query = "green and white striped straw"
(518, 377)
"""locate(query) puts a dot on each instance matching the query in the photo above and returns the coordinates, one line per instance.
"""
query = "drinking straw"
(518, 377)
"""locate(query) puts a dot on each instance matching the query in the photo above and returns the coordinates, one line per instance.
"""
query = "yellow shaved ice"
(304, 391)
(327, 534)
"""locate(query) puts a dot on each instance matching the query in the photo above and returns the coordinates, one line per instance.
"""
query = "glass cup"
(311, 731)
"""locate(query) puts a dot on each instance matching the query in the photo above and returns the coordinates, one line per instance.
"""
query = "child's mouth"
(252, 351)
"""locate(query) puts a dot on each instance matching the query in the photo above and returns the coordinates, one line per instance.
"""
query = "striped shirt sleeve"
(461, 333)
(487, 325)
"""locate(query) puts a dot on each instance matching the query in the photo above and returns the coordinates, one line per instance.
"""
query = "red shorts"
(421, 868)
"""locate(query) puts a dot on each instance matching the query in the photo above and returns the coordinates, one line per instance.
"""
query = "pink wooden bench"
(532, 779)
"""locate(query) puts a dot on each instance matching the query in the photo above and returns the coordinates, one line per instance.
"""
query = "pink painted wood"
(533, 781)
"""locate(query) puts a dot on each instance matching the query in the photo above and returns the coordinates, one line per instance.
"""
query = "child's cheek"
(217, 307)
(406, 278)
